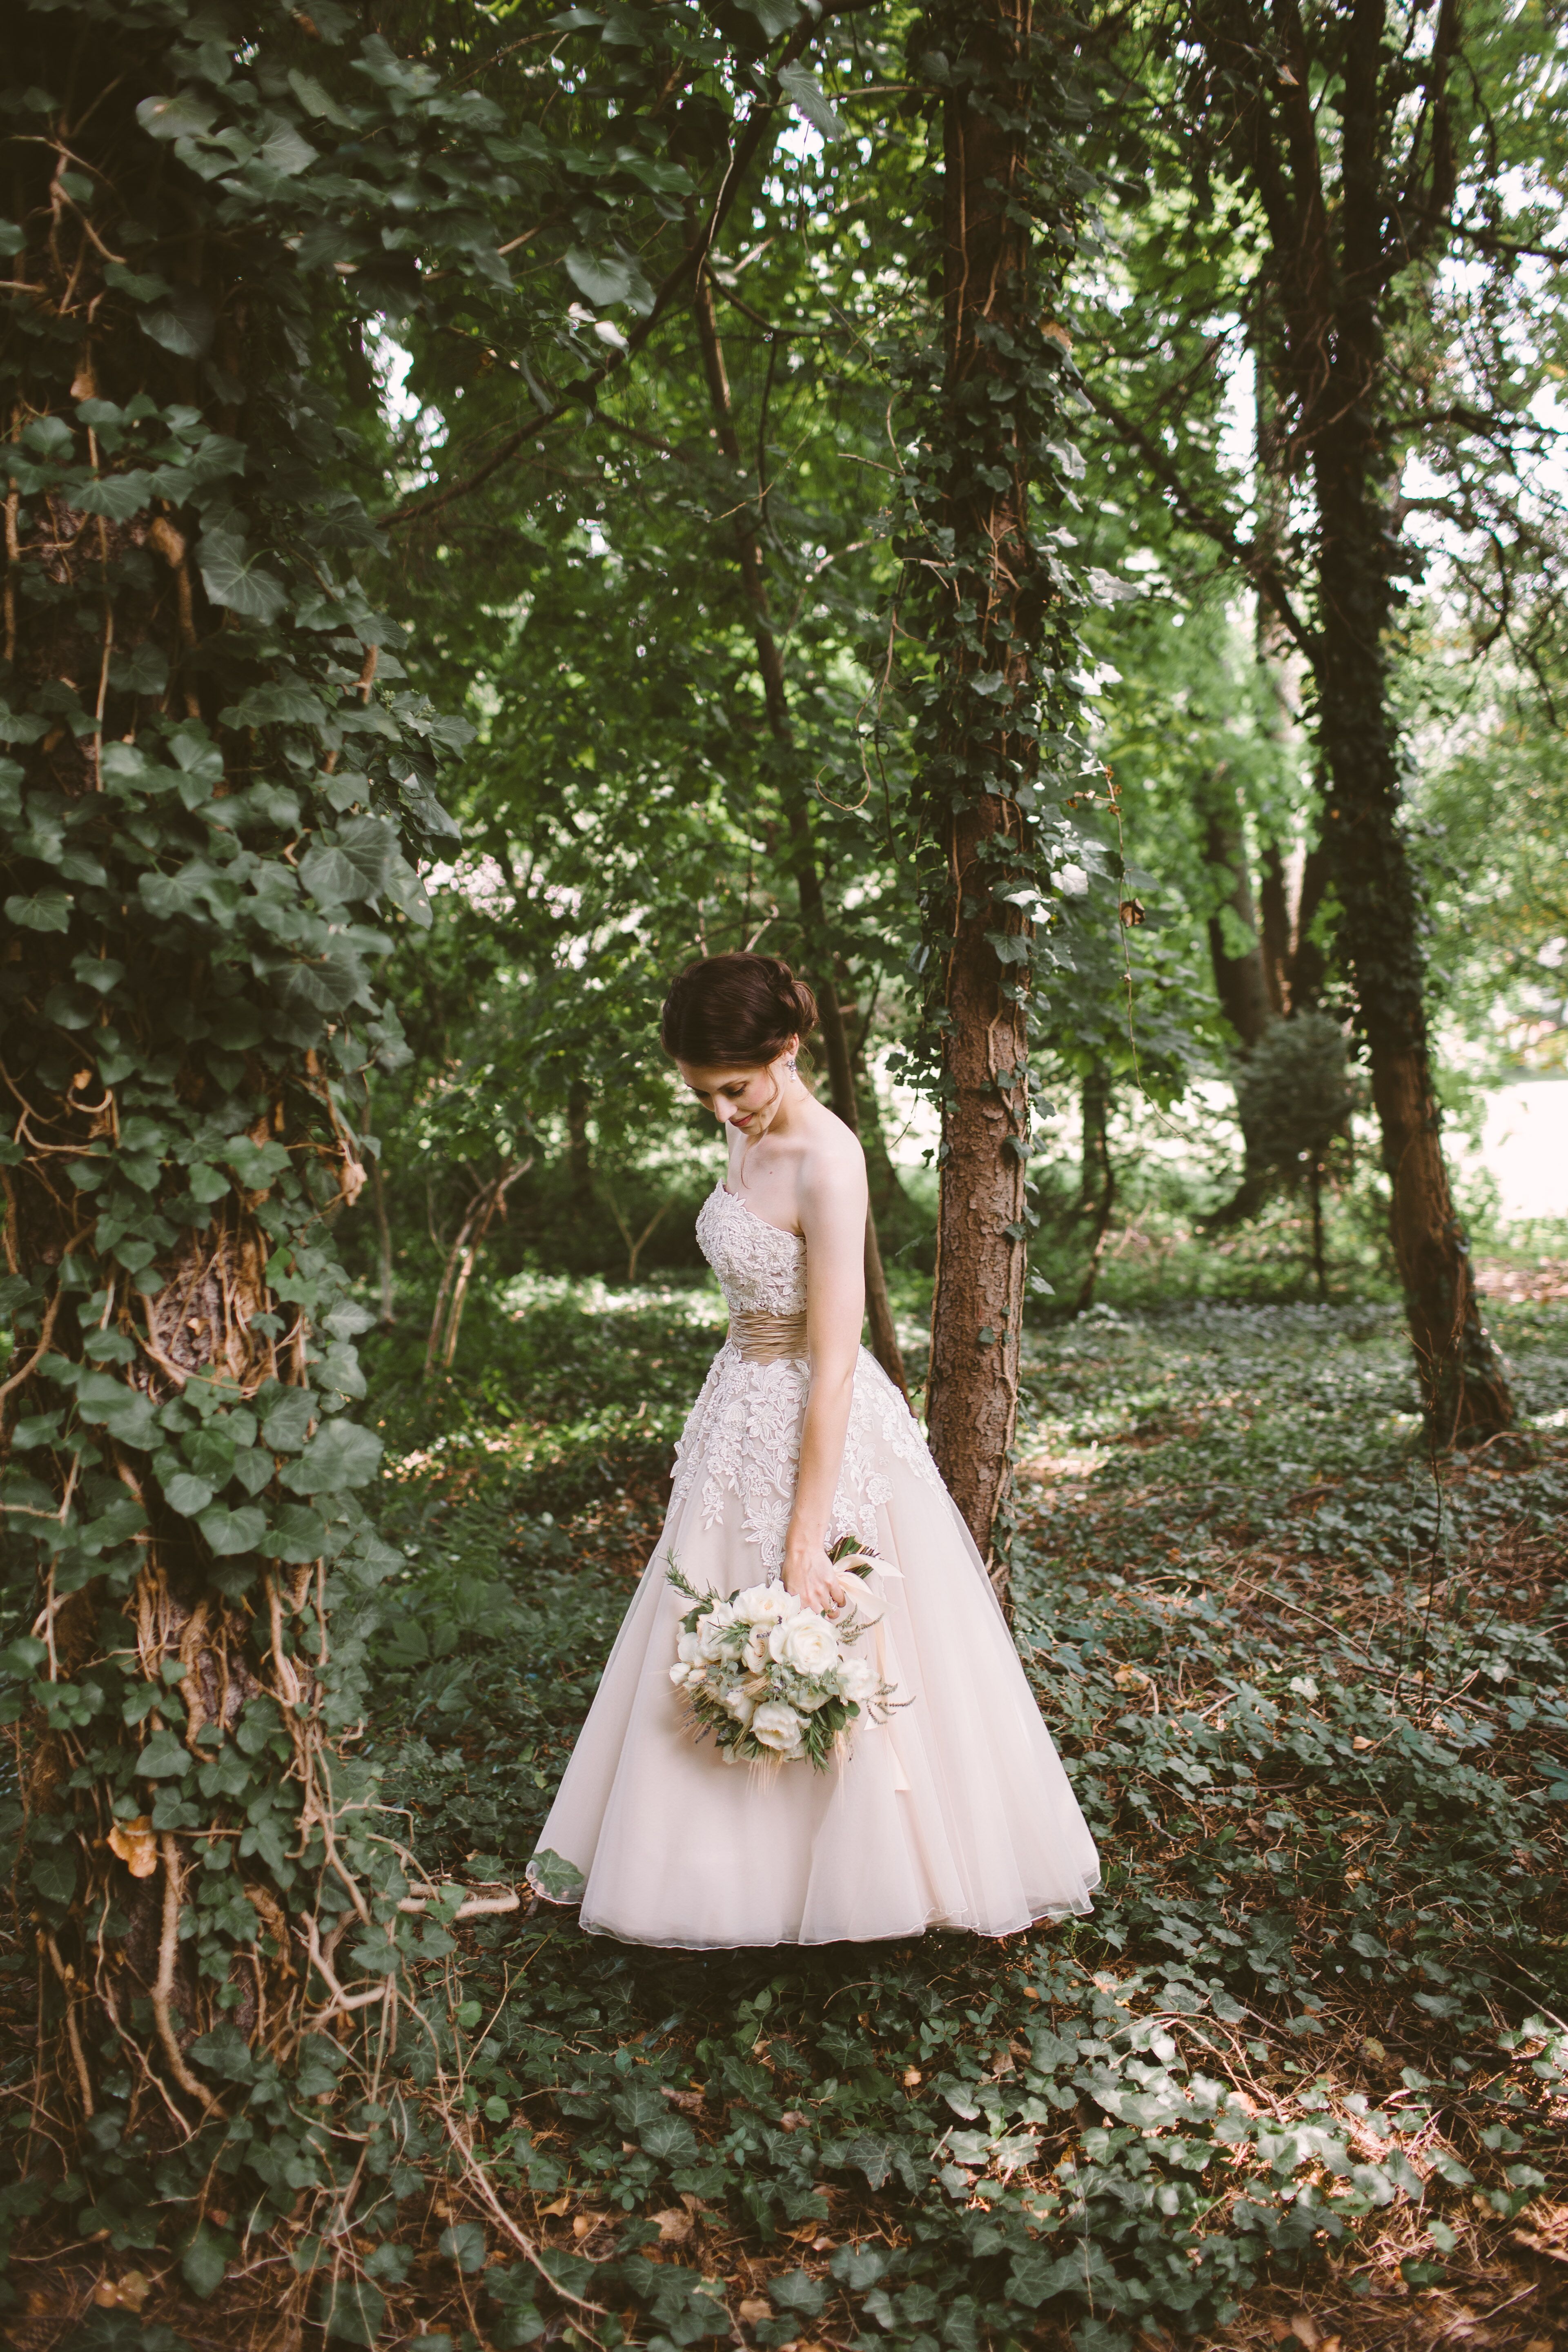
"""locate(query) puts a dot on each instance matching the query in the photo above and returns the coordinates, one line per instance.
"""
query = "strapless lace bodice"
(743, 1435)
(761, 1268)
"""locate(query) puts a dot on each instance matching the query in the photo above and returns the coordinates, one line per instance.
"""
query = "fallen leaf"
(673, 2225)
(791, 2120)
(135, 1845)
(688, 2102)
(911, 2076)
(585, 2223)
(1305, 2331)
(562, 2205)
(754, 2308)
(1361, 1741)
(1132, 1678)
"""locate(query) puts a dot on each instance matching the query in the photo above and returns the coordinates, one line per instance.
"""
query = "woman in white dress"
(953, 1812)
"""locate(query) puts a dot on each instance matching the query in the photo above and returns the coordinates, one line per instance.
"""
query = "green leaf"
(53, 1875)
(342, 1454)
(116, 496)
(284, 151)
(224, 2051)
(234, 578)
(806, 95)
(203, 2263)
(184, 115)
(353, 2310)
(164, 1757)
(187, 1494)
(602, 278)
(464, 2246)
(229, 1532)
(774, 17)
(184, 325)
(558, 1881)
(297, 1534)
(42, 911)
(286, 1423)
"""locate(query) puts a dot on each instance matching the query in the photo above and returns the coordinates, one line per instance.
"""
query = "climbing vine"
(216, 790)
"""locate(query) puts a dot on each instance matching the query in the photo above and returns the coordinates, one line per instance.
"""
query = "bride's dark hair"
(737, 1009)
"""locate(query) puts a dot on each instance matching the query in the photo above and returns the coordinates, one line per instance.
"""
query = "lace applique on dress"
(743, 1436)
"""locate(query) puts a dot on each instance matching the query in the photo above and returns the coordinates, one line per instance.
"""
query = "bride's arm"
(833, 1218)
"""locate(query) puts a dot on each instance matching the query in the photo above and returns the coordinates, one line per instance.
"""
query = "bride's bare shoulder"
(833, 1162)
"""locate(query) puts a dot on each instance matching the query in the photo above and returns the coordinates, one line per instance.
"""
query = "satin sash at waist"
(768, 1338)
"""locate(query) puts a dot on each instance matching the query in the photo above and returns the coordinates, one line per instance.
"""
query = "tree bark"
(1240, 980)
(1462, 1379)
(579, 1158)
(803, 850)
(1334, 256)
(1097, 1178)
(989, 631)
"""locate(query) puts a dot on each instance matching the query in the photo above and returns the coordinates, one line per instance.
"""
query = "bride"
(955, 1810)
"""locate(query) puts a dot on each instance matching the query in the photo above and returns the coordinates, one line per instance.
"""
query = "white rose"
(689, 1649)
(757, 1605)
(857, 1679)
(713, 1634)
(777, 1727)
(806, 1643)
(678, 1673)
(740, 1703)
(755, 1652)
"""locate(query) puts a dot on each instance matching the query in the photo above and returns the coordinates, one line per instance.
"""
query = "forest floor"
(1302, 2079)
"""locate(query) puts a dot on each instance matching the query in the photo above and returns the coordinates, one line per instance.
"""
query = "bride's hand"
(810, 1575)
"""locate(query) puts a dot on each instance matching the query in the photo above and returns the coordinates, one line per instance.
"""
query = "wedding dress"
(953, 1812)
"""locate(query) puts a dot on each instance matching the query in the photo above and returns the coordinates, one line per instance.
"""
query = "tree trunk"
(989, 631)
(1462, 1380)
(1240, 980)
(176, 1037)
(451, 1296)
(1096, 1176)
(1273, 927)
(803, 852)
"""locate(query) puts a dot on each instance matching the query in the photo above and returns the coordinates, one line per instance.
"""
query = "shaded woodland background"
(1055, 524)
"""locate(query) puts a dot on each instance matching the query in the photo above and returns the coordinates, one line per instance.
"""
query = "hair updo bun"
(737, 1010)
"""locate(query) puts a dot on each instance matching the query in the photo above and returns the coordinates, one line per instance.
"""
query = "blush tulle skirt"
(956, 1813)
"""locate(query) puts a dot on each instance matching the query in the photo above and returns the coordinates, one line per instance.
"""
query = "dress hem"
(934, 1921)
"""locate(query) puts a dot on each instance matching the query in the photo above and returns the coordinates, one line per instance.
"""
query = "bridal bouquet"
(770, 1679)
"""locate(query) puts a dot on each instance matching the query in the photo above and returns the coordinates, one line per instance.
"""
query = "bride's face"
(738, 1097)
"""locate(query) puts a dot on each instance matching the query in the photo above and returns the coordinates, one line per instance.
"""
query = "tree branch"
(581, 392)
(1265, 575)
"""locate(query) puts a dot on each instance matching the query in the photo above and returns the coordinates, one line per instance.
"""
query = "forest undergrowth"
(1303, 2076)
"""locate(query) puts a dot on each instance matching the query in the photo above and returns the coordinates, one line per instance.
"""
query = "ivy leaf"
(233, 578)
(558, 1881)
(164, 1757)
(42, 911)
(187, 1494)
(774, 17)
(806, 95)
(184, 115)
(609, 277)
(325, 985)
(352, 2309)
(203, 2263)
(296, 1535)
(184, 325)
(464, 2246)
(284, 151)
(53, 1875)
(343, 1455)
(115, 496)
(229, 1532)
(286, 1425)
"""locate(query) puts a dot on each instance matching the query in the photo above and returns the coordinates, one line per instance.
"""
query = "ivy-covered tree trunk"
(1347, 232)
(207, 812)
(988, 618)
